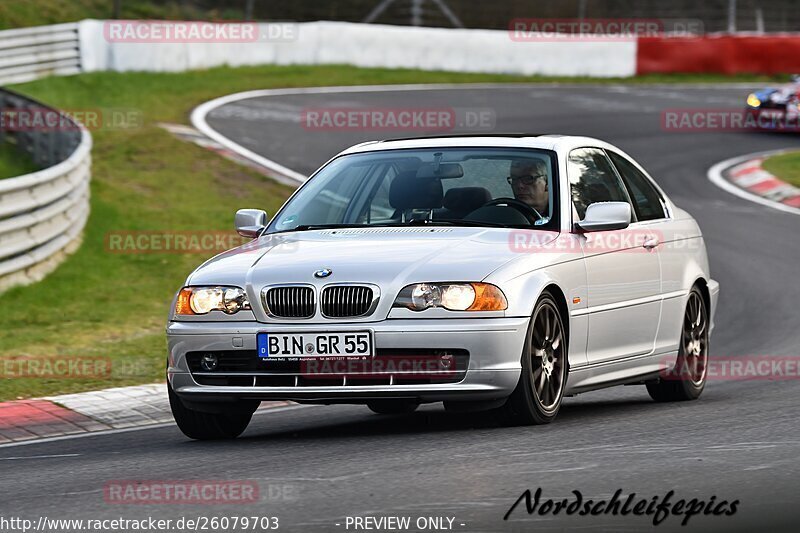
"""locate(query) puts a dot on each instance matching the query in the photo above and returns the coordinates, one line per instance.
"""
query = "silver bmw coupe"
(488, 272)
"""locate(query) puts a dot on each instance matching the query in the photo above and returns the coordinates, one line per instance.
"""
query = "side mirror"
(250, 222)
(606, 216)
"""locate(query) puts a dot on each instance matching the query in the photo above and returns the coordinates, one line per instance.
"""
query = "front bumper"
(494, 346)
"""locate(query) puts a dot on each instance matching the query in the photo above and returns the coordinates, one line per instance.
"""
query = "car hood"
(383, 256)
(389, 258)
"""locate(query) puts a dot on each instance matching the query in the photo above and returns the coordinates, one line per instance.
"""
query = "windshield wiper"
(469, 223)
(312, 227)
(443, 222)
(415, 222)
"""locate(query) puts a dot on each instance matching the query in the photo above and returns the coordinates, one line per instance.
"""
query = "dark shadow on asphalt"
(436, 420)
(347, 421)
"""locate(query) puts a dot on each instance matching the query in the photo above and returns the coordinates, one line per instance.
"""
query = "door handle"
(651, 242)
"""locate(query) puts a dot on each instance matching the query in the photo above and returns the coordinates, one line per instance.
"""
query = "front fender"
(569, 279)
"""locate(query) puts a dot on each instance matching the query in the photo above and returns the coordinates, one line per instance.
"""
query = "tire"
(688, 379)
(208, 426)
(392, 407)
(540, 390)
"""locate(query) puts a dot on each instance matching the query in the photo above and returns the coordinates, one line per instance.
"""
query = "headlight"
(753, 101)
(452, 296)
(203, 300)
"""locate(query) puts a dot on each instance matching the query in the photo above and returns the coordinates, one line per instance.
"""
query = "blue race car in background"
(776, 107)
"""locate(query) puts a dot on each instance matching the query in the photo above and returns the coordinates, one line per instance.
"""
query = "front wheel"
(688, 379)
(208, 426)
(537, 397)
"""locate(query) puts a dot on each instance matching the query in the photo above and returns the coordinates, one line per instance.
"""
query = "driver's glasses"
(529, 179)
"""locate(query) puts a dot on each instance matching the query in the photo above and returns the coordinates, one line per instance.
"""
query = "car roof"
(499, 140)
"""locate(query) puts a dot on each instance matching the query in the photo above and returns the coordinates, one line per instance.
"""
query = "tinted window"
(451, 185)
(646, 200)
(593, 179)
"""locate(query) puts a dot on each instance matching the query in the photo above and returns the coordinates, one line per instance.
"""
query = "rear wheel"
(537, 398)
(688, 379)
(228, 424)
(392, 407)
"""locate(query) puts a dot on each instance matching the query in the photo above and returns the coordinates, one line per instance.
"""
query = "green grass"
(100, 304)
(22, 13)
(13, 162)
(785, 167)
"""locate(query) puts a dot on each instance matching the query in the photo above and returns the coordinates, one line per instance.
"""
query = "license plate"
(326, 344)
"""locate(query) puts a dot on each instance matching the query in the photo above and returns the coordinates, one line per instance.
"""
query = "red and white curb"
(122, 408)
(745, 177)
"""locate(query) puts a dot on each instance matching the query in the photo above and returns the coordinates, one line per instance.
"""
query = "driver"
(528, 181)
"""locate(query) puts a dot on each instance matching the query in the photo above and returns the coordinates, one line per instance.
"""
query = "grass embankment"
(13, 162)
(101, 304)
(785, 166)
(23, 13)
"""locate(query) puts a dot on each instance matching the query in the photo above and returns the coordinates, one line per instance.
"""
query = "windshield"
(492, 187)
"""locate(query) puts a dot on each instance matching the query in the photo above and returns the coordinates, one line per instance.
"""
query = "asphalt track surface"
(318, 465)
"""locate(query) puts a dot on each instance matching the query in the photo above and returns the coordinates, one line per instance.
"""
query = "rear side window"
(593, 179)
(646, 201)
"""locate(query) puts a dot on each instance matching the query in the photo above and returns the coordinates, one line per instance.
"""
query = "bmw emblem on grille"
(323, 273)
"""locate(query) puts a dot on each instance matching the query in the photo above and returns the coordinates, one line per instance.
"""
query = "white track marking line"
(40, 457)
(199, 114)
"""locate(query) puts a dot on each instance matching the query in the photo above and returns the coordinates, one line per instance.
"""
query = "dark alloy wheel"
(688, 379)
(538, 395)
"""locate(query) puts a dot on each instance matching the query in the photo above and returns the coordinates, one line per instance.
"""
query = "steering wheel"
(519, 205)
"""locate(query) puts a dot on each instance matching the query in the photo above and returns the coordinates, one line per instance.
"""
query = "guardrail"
(42, 214)
(30, 53)
(94, 45)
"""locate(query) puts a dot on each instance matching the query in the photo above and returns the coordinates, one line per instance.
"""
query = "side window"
(592, 179)
(646, 200)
